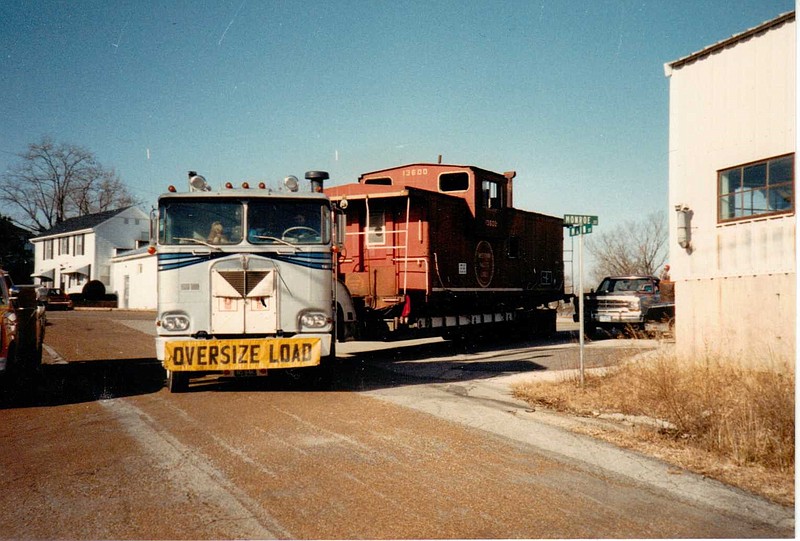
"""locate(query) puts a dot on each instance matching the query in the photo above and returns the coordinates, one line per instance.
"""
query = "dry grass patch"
(722, 420)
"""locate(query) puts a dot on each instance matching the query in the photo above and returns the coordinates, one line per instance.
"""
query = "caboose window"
(453, 182)
(376, 228)
(492, 195)
(383, 181)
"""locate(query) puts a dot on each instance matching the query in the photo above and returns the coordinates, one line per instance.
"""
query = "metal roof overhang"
(79, 270)
(45, 276)
(377, 195)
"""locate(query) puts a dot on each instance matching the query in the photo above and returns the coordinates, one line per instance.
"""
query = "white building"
(134, 276)
(80, 249)
(732, 193)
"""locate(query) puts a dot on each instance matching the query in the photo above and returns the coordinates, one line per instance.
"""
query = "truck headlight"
(175, 322)
(635, 305)
(314, 320)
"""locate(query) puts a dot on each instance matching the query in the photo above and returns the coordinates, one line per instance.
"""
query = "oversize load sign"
(249, 354)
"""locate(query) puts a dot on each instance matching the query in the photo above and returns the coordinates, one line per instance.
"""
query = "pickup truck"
(619, 302)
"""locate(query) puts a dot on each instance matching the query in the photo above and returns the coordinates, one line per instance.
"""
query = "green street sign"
(580, 219)
(575, 230)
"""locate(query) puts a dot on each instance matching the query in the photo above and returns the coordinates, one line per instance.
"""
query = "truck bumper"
(618, 318)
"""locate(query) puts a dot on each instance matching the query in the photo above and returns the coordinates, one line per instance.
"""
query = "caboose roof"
(426, 164)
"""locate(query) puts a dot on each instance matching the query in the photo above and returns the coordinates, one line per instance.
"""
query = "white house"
(732, 196)
(134, 276)
(78, 250)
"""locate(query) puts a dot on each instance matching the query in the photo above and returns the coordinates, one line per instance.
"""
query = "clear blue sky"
(570, 94)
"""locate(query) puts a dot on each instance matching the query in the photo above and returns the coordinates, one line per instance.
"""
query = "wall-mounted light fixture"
(684, 227)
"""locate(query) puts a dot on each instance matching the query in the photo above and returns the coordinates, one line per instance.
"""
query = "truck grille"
(243, 281)
(612, 304)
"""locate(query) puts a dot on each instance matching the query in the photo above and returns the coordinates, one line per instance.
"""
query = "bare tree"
(55, 181)
(634, 247)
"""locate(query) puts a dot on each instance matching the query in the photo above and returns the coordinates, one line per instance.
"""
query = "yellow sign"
(247, 354)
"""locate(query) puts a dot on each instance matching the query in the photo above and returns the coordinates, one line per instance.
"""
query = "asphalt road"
(411, 440)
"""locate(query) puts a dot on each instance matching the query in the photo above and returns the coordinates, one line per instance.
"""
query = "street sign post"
(580, 225)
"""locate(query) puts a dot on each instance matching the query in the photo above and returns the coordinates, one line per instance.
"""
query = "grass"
(720, 419)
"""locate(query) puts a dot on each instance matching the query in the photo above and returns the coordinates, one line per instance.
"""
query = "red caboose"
(433, 246)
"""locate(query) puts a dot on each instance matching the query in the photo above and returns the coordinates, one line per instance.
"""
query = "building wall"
(139, 272)
(100, 245)
(61, 263)
(120, 232)
(735, 287)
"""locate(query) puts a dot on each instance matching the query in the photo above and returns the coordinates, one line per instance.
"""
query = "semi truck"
(252, 279)
(245, 279)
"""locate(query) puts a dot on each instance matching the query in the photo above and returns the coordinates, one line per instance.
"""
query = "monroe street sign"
(579, 219)
(580, 225)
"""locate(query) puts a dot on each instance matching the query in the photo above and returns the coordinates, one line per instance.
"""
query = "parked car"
(22, 325)
(57, 299)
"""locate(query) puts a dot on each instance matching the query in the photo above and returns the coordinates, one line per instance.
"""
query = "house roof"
(79, 223)
(733, 40)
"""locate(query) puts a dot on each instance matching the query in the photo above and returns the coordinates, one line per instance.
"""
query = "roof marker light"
(291, 183)
(197, 183)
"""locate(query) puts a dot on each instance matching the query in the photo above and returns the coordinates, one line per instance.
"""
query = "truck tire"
(177, 382)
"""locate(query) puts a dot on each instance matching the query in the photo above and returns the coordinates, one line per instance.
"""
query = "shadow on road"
(87, 381)
(390, 365)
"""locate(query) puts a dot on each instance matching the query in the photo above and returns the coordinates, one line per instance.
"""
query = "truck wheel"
(177, 382)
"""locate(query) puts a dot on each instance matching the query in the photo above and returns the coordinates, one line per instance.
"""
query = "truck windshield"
(218, 222)
(625, 285)
(206, 221)
(287, 221)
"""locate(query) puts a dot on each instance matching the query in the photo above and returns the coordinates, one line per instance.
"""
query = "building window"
(79, 239)
(756, 189)
(63, 245)
(48, 249)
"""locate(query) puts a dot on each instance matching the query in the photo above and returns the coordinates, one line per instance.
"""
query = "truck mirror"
(341, 227)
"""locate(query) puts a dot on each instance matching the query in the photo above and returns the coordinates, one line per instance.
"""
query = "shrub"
(94, 290)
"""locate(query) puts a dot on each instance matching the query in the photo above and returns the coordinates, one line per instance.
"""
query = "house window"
(48, 249)
(756, 189)
(79, 239)
(63, 245)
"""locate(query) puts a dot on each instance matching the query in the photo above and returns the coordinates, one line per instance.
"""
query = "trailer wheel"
(177, 382)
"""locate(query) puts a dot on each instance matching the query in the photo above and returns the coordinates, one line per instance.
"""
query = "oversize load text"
(241, 354)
